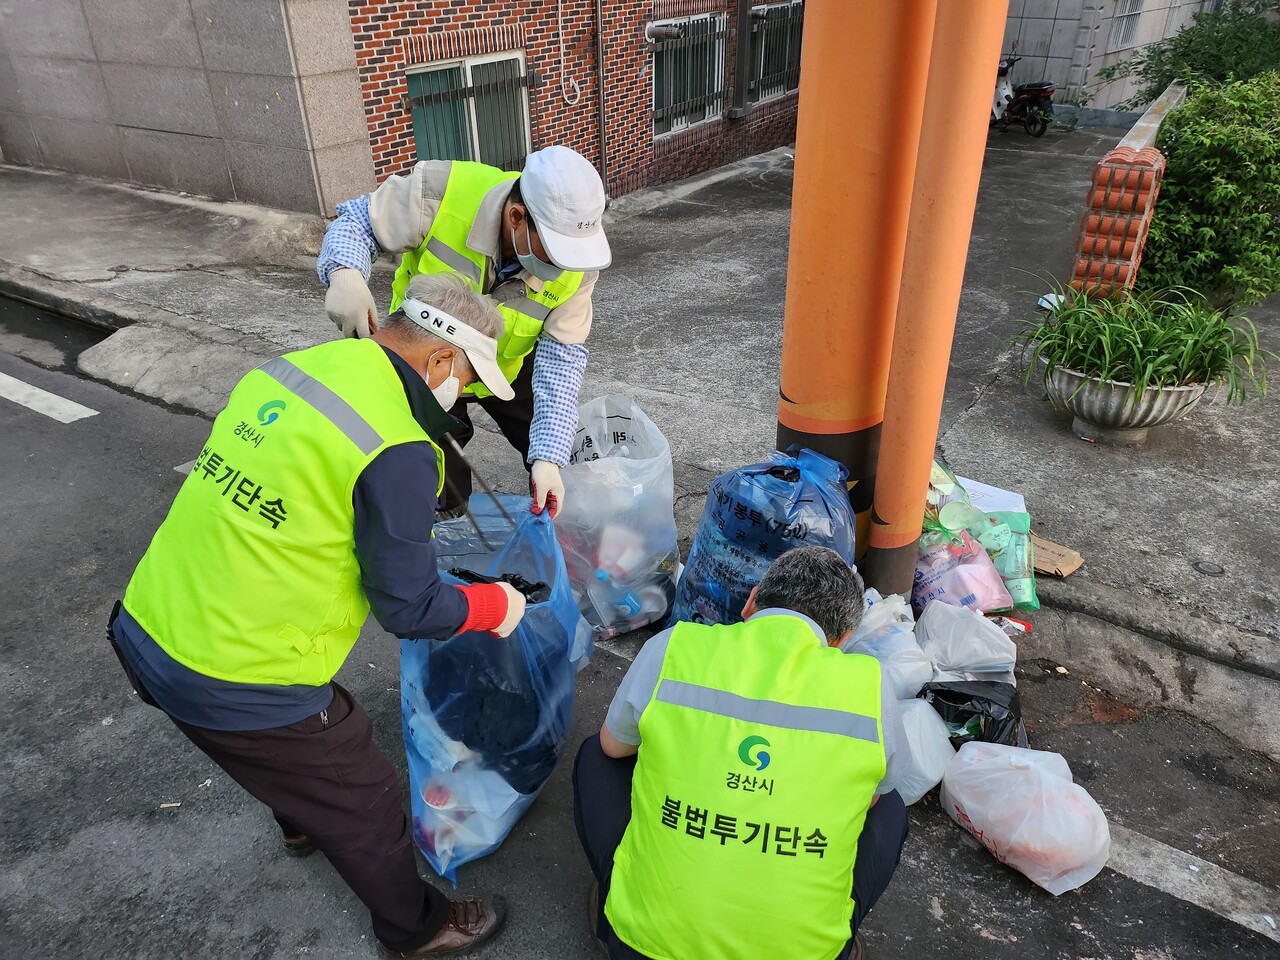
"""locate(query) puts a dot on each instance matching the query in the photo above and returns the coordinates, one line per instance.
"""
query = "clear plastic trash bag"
(485, 718)
(617, 527)
(1024, 808)
(954, 568)
(754, 515)
(887, 632)
(931, 749)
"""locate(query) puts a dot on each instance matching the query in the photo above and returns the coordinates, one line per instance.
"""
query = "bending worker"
(743, 782)
(534, 242)
(310, 503)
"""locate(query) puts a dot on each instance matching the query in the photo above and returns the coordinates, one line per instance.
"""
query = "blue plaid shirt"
(558, 368)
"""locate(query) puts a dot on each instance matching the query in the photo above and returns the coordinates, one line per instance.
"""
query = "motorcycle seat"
(1038, 85)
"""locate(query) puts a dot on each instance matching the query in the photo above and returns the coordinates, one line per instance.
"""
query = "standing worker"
(742, 784)
(310, 503)
(534, 241)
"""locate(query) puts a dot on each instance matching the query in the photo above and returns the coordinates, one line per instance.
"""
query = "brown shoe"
(859, 951)
(472, 921)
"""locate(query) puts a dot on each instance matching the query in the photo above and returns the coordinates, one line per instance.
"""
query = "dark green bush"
(1216, 228)
(1235, 43)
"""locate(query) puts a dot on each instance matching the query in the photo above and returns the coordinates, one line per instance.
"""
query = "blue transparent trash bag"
(754, 515)
(485, 718)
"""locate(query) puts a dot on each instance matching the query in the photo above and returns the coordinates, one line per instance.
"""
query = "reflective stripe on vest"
(760, 753)
(253, 576)
(445, 248)
(336, 410)
(769, 712)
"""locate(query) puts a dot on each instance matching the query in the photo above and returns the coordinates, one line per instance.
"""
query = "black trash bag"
(985, 710)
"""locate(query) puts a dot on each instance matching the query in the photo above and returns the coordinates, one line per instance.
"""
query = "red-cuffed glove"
(548, 487)
(496, 607)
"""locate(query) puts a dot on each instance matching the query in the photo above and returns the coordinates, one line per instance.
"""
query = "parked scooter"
(1030, 104)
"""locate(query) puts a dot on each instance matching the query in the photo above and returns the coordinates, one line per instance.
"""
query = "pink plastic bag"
(955, 569)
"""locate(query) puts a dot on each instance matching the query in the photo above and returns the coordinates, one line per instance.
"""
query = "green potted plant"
(1125, 362)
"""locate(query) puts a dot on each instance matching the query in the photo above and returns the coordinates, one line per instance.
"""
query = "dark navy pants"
(602, 810)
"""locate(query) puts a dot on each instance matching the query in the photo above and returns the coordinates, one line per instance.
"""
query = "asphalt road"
(97, 862)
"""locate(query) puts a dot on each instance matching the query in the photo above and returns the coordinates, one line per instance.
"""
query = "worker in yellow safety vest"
(534, 242)
(312, 502)
(739, 800)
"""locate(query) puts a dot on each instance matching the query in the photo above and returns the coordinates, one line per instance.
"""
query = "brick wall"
(393, 35)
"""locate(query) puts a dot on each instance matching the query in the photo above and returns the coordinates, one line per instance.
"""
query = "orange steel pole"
(862, 80)
(966, 47)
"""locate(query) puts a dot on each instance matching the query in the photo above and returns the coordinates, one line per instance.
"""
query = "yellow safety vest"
(253, 575)
(760, 752)
(445, 249)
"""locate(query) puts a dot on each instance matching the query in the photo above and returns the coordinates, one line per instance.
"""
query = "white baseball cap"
(564, 196)
(481, 351)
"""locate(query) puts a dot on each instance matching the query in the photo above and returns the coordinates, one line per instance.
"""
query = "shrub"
(1216, 227)
(1235, 43)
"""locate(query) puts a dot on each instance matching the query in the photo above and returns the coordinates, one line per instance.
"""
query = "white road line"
(1169, 870)
(42, 401)
(185, 468)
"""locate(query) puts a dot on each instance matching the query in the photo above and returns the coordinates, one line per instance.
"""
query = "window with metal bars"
(472, 109)
(775, 50)
(688, 70)
(1124, 25)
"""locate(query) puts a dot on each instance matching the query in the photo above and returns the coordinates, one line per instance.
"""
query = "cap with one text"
(564, 196)
(481, 351)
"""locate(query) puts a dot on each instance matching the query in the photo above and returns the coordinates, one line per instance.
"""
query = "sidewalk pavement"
(688, 321)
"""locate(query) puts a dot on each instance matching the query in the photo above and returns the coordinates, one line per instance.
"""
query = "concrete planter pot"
(1107, 410)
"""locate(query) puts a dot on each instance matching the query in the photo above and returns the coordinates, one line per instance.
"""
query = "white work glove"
(548, 488)
(515, 610)
(349, 303)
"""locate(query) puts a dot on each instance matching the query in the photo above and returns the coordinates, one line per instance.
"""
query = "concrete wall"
(196, 95)
(1067, 41)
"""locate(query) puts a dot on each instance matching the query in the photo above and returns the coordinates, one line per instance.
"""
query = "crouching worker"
(739, 800)
(313, 501)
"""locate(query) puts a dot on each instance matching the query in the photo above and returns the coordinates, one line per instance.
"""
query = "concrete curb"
(1152, 671)
(1176, 628)
(153, 352)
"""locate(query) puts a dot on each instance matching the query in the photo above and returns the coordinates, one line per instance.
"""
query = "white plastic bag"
(1024, 808)
(887, 632)
(618, 528)
(931, 749)
(959, 640)
(883, 616)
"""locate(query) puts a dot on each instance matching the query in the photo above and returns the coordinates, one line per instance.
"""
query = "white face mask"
(546, 272)
(446, 393)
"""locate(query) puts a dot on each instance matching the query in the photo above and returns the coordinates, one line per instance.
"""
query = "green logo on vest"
(761, 759)
(267, 413)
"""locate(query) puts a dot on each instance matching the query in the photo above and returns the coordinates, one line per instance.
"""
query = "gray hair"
(448, 292)
(817, 582)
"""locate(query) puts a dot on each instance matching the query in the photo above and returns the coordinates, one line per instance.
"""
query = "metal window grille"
(688, 71)
(775, 50)
(1124, 24)
(476, 109)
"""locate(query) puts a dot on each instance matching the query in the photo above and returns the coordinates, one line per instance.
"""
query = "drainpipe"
(862, 80)
(966, 42)
(604, 139)
(741, 75)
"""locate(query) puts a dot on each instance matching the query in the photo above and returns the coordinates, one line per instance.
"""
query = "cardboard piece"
(1053, 558)
(991, 499)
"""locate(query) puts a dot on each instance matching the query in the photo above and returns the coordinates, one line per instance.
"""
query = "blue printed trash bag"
(753, 516)
(485, 718)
